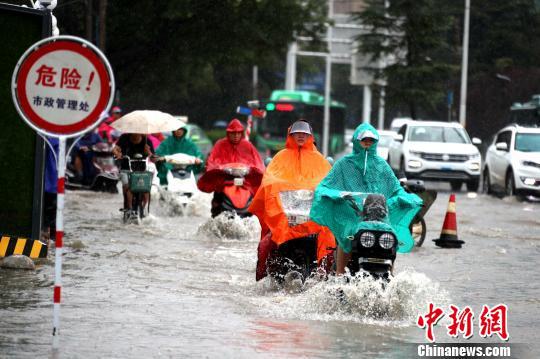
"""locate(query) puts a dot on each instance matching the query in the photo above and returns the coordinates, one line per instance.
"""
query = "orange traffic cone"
(449, 238)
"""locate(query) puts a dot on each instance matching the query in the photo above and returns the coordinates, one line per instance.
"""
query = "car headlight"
(415, 153)
(367, 239)
(476, 156)
(528, 181)
(387, 240)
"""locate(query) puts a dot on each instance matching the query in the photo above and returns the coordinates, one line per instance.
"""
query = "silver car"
(512, 164)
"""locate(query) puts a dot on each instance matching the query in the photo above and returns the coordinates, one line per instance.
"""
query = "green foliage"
(413, 36)
(195, 57)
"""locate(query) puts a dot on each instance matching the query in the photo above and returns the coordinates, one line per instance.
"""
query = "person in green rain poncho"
(178, 143)
(353, 177)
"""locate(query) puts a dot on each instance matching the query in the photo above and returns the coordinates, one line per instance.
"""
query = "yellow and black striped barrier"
(32, 248)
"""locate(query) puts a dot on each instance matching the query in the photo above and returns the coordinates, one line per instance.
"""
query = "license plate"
(445, 168)
(296, 220)
(238, 182)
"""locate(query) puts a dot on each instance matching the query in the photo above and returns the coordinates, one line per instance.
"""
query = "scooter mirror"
(330, 160)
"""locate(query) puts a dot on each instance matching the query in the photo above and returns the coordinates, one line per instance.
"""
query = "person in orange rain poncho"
(297, 167)
(234, 148)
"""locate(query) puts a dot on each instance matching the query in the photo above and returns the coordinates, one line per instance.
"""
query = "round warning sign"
(62, 85)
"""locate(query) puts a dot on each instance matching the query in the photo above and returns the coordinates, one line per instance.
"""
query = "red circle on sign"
(102, 72)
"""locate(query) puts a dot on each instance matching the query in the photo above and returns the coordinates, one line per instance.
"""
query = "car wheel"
(510, 185)
(486, 185)
(472, 186)
(455, 185)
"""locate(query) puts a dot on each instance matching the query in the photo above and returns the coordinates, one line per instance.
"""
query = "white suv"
(436, 151)
(513, 162)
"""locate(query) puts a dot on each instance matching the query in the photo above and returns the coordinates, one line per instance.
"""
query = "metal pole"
(290, 76)
(328, 84)
(255, 81)
(366, 110)
(464, 65)
(382, 96)
(326, 123)
(61, 166)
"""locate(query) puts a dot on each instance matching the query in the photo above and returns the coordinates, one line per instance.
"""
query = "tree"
(413, 35)
(195, 57)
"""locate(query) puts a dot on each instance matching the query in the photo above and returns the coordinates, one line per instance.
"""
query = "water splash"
(197, 205)
(227, 226)
(361, 299)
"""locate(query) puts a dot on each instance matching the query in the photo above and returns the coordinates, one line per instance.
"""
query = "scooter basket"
(140, 181)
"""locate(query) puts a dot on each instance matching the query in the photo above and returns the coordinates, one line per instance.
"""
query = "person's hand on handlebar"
(117, 152)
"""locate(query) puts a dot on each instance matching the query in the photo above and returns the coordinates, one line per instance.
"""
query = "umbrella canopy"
(146, 122)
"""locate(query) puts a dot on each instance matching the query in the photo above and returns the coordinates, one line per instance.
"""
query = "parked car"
(512, 164)
(385, 139)
(436, 151)
(398, 122)
(198, 136)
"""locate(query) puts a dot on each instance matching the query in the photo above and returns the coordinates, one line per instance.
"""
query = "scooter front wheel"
(418, 231)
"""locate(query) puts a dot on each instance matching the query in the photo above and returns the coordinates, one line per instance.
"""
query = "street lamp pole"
(464, 65)
(327, 84)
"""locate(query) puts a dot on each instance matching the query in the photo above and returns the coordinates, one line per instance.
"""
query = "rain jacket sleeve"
(359, 174)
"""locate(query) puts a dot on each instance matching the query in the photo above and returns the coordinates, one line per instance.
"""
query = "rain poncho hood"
(293, 168)
(225, 153)
(235, 126)
(173, 145)
(363, 171)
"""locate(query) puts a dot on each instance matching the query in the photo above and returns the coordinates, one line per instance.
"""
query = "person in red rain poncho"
(234, 148)
(105, 130)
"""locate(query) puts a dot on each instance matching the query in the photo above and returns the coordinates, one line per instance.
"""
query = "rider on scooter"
(82, 158)
(297, 167)
(178, 143)
(362, 172)
(130, 144)
(234, 148)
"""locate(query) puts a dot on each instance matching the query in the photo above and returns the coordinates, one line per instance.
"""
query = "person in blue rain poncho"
(353, 177)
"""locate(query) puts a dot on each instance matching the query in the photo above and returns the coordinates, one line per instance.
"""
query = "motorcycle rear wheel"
(418, 231)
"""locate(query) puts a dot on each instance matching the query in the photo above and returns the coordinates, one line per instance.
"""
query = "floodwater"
(184, 286)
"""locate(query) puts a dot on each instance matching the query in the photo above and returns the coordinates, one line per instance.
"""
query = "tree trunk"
(89, 10)
(102, 24)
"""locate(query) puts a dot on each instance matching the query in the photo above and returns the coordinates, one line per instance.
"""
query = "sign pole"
(60, 87)
(61, 165)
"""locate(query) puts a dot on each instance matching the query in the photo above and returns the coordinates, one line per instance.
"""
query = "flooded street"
(171, 287)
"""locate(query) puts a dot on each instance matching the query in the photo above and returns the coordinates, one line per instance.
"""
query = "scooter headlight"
(367, 239)
(387, 240)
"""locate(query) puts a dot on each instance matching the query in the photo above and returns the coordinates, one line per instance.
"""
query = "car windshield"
(385, 140)
(438, 134)
(528, 142)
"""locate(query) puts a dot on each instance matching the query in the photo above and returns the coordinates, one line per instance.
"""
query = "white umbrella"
(146, 122)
